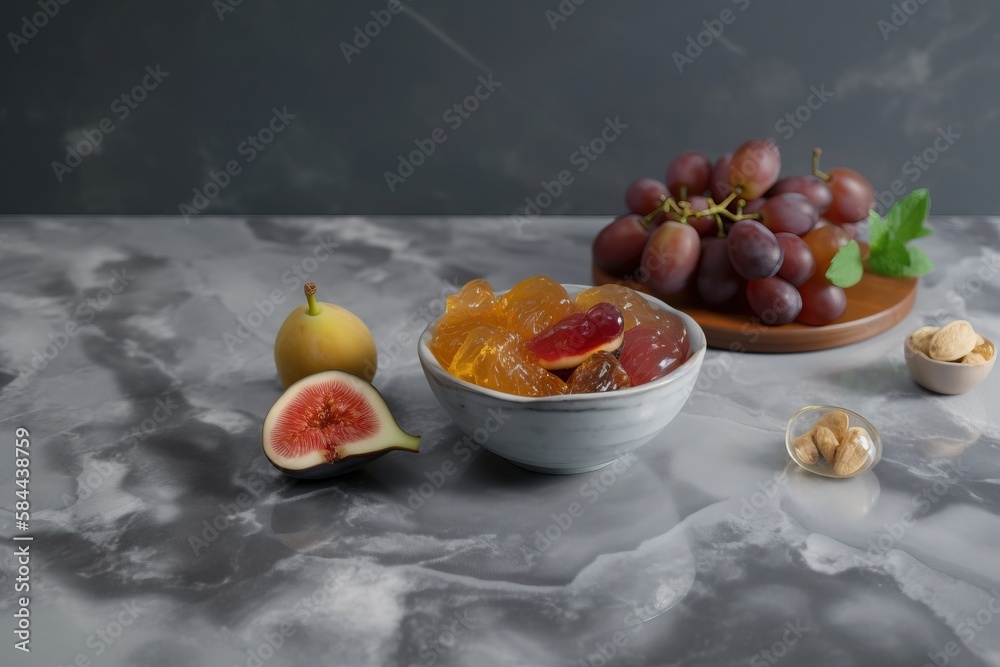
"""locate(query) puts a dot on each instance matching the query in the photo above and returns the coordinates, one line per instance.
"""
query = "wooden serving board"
(874, 305)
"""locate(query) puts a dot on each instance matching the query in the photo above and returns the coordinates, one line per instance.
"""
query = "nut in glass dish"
(947, 377)
(832, 441)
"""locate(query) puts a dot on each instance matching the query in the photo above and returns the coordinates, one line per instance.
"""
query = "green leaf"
(895, 252)
(888, 237)
(920, 263)
(878, 232)
(906, 217)
(846, 268)
(892, 260)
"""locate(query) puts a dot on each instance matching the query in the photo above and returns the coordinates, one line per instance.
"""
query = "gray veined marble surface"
(163, 537)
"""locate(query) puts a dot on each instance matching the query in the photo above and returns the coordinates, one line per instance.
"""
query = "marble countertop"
(137, 353)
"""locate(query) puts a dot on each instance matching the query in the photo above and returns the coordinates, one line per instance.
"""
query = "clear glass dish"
(803, 421)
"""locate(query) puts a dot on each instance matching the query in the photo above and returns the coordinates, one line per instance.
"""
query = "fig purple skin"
(335, 469)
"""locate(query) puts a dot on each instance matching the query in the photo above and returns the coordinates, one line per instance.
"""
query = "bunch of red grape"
(736, 236)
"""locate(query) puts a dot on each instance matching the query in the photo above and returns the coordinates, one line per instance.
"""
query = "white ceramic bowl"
(571, 433)
(945, 377)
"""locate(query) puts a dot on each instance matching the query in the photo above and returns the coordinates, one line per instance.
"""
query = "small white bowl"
(571, 433)
(945, 377)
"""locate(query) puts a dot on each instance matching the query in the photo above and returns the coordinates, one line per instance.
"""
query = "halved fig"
(575, 337)
(329, 424)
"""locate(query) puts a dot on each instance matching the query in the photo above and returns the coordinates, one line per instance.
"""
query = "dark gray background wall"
(891, 90)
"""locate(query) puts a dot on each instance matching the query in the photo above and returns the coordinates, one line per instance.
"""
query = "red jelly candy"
(673, 326)
(575, 337)
(648, 354)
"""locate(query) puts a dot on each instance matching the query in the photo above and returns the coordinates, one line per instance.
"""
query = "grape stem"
(816, 170)
(683, 210)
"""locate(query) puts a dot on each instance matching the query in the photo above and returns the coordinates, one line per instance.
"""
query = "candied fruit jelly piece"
(448, 339)
(475, 299)
(533, 305)
(473, 306)
(463, 364)
(648, 354)
(502, 365)
(577, 336)
(600, 371)
(628, 301)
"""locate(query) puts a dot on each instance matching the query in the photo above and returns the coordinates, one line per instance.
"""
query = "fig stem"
(816, 170)
(310, 290)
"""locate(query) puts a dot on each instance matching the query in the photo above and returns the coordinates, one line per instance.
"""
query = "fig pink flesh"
(322, 417)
